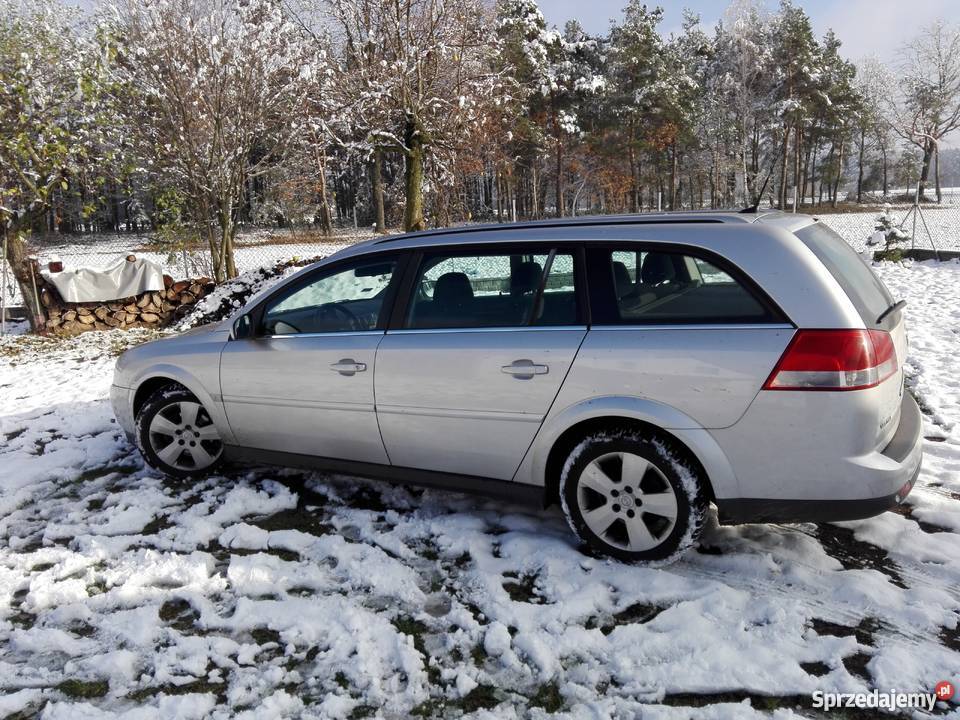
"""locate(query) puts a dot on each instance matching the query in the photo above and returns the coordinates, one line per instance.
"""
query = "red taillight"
(834, 360)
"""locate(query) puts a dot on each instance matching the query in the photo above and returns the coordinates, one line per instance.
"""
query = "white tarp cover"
(123, 279)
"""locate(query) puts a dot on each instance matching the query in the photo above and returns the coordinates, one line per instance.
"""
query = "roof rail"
(584, 221)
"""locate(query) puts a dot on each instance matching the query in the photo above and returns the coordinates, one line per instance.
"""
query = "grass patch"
(96, 473)
(548, 697)
(161, 522)
(14, 434)
(197, 686)
(361, 711)
(857, 665)
(479, 655)
(97, 587)
(262, 636)
(816, 669)
(413, 628)
(864, 631)
(482, 697)
(296, 519)
(179, 614)
(524, 589)
(84, 688)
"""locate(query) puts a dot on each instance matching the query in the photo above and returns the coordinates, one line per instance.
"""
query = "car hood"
(218, 326)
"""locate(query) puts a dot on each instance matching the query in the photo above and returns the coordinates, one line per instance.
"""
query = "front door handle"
(348, 366)
(524, 369)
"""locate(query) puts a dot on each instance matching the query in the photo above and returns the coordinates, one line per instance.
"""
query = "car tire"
(176, 434)
(633, 496)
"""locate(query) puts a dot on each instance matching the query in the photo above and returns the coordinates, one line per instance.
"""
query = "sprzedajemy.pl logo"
(893, 700)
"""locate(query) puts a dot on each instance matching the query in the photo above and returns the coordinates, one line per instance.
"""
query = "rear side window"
(640, 286)
(869, 296)
(474, 290)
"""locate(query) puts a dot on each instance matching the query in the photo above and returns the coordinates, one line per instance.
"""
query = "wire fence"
(264, 247)
(929, 227)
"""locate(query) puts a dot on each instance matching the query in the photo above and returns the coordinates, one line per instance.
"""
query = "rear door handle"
(348, 366)
(524, 369)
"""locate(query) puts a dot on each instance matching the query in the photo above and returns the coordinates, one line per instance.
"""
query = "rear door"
(303, 382)
(677, 326)
(477, 357)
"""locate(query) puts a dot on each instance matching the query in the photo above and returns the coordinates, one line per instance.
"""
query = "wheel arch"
(160, 376)
(560, 435)
(151, 385)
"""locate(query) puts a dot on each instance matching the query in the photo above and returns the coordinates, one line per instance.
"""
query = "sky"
(865, 27)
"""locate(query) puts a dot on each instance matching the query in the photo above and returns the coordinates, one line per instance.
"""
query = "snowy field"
(264, 593)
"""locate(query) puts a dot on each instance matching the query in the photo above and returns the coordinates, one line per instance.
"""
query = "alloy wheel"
(183, 436)
(627, 501)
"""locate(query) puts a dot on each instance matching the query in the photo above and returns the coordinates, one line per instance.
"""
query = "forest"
(192, 119)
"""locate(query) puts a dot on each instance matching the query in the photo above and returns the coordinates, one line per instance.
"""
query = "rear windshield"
(869, 296)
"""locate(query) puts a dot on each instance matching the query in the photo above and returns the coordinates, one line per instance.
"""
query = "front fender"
(701, 443)
(211, 400)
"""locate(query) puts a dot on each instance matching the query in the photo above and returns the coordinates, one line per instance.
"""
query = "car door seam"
(550, 406)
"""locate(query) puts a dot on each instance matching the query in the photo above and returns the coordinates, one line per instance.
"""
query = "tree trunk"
(797, 147)
(376, 187)
(413, 175)
(863, 144)
(784, 160)
(936, 172)
(672, 195)
(24, 274)
(558, 138)
(634, 179)
(226, 268)
(836, 180)
(883, 153)
(326, 221)
(925, 170)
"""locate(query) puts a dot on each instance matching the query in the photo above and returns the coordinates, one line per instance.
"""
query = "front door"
(304, 382)
(486, 342)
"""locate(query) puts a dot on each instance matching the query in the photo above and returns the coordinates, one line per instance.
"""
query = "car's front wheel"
(176, 434)
(632, 496)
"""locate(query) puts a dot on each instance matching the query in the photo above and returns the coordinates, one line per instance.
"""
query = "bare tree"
(929, 107)
(209, 90)
(414, 73)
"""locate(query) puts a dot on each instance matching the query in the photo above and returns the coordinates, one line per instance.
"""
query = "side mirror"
(242, 328)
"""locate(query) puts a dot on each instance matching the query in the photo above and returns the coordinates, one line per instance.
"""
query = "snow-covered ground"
(265, 593)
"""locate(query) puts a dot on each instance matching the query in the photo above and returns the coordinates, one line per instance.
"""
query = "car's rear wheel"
(633, 496)
(176, 434)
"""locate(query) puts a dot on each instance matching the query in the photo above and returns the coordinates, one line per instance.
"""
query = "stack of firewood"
(150, 309)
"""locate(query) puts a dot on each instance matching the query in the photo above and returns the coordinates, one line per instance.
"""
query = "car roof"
(506, 232)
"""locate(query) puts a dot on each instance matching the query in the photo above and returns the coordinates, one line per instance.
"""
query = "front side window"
(343, 300)
(466, 290)
(664, 287)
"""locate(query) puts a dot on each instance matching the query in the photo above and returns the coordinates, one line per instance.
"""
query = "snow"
(282, 593)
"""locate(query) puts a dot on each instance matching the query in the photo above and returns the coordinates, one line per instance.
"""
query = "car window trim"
(491, 328)
(256, 313)
(597, 281)
(419, 255)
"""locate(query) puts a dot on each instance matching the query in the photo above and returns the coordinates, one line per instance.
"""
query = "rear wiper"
(893, 308)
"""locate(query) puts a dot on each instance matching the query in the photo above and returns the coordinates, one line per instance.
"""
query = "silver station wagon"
(632, 369)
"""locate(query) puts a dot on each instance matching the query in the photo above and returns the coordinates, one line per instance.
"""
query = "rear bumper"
(895, 467)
